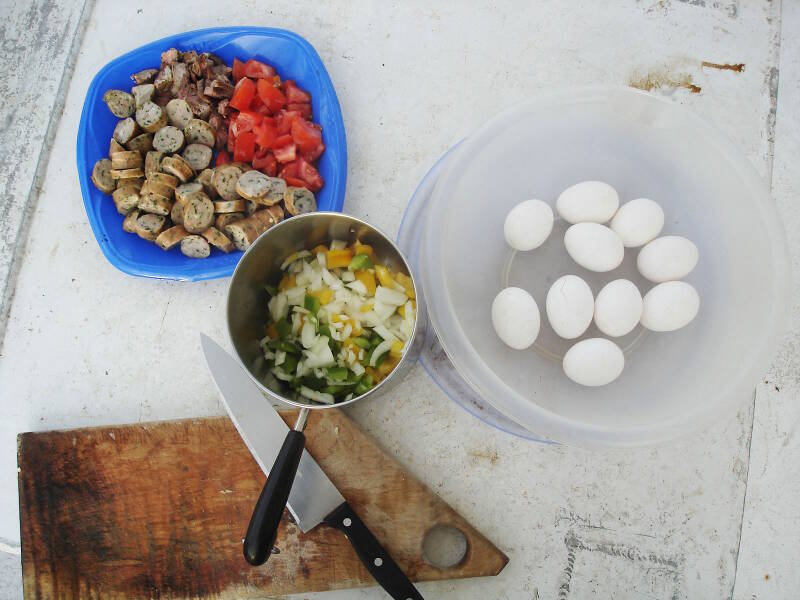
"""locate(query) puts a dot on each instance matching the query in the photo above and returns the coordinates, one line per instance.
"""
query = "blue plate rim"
(338, 182)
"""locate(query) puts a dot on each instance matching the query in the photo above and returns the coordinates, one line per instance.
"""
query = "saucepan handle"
(267, 514)
(377, 560)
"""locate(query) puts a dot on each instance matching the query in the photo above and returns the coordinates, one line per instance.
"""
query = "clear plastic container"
(673, 383)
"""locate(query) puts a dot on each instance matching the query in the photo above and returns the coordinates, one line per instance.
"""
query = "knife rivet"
(347, 522)
(378, 561)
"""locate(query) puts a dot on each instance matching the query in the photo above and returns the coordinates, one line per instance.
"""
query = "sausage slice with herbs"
(120, 103)
(218, 239)
(125, 199)
(101, 176)
(197, 155)
(129, 159)
(126, 130)
(198, 131)
(148, 226)
(198, 212)
(151, 117)
(168, 139)
(299, 200)
(143, 93)
(195, 246)
(225, 178)
(169, 238)
(179, 113)
(141, 143)
(152, 162)
(175, 165)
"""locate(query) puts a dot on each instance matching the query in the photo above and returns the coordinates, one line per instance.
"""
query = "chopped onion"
(331, 280)
(348, 276)
(358, 368)
(382, 331)
(390, 296)
(308, 335)
(296, 296)
(358, 287)
(322, 259)
(293, 257)
(279, 374)
(381, 348)
(280, 357)
(317, 396)
(278, 307)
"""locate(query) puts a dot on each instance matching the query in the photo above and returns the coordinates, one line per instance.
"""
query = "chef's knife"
(313, 499)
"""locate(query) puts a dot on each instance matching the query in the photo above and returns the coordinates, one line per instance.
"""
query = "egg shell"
(667, 258)
(594, 247)
(569, 306)
(588, 202)
(515, 318)
(528, 225)
(594, 362)
(618, 308)
(638, 222)
(669, 306)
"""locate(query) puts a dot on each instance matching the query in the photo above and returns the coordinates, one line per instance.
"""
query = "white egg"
(528, 225)
(515, 317)
(669, 306)
(618, 308)
(588, 202)
(667, 258)
(594, 247)
(637, 222)
(593, 362)
(569, 306)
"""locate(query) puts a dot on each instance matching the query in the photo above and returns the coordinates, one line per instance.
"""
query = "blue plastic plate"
(293, 58)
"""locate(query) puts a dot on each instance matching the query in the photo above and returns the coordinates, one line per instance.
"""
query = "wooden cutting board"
(159, 510)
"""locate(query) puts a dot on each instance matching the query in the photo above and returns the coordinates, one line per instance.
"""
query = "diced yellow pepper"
(272, 331)
(356, 328)
(317, 249)
(367, 306)
(288, 281)
(339, 259)
(407, 284)
(368, 279)
(397, 349)
(373, 372)
(359, 248)
(387, 366)
(384, 276)
(401, 310)
(324, 295)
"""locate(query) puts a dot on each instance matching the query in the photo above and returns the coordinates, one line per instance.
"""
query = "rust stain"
(491, 456)
(738, 67)
(660, 78)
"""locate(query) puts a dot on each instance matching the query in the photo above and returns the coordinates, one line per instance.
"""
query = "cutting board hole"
(444, 546)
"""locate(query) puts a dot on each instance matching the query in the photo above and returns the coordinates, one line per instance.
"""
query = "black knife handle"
(267, 514)
(369, 550)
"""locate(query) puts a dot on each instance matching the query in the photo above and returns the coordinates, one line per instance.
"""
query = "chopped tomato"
(231, 133)
(312, 155)
(223, 158)
(266, 134)
(247, 120)
(286, 153)
(294, 94)
(238, 69)
(264, 161)
(304, 108)
(295, 182)
(306, 136)
(288, 171)
(243, 94)
(282, 140)
(284, 120)
(258, 70)
(310, 175)
(270, 95)
(244, 147)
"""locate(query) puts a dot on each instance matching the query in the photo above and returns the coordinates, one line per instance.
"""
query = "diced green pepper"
(270, 289)
(363, 386)
(285, 346)
(380, 359)
(337, 373)
(314, 382)
(360, 342)
(360, 261)
(311, 304)
(324, 329)
(289, 365)
(375, 340)
(283, 327)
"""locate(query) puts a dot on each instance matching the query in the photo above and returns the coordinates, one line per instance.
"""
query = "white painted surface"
(87, 345)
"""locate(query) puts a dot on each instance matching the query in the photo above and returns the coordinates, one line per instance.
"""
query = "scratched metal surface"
(86, 345)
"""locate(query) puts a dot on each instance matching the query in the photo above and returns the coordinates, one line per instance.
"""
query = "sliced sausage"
(134, 173)
(253, 185)
(143, 93)
(218, 239)
(183, 190)
(151, 117)
(197, 155)
(148, 226)
(198, 212)
(125, 199)
(198, 131)
(141, 143)
(120, 103)
(299, 200)
(179, 113)
(225, 178)
(276, 191)
(277, 214)
(165, 179)
(132, 182)
(171, 237)
(145, 76)
(244, 167)
(129, 222)
(114, 146)
(229, 206)
(245, 232)
(250, 207)
(175, 165)
(129, 159)
(226, 218)
(168, 139)
(176, 214)
(153, 187)
(195, 246)
(126, 130)
(152, 162)
(101, 176)
(152, 202)
(206, 178)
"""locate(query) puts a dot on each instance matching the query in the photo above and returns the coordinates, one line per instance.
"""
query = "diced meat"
(218, 89)
(163, 80)
(144, 76)
(180, 80)
(170, 57)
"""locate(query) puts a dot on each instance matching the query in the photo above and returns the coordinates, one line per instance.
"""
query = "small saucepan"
(247, 320)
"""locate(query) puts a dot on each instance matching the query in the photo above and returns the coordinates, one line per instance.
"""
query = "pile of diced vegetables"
(339, 322)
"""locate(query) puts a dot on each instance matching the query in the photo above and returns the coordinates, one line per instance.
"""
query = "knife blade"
(313, 495)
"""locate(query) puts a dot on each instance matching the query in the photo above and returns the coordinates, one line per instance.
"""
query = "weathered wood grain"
(159, 511)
